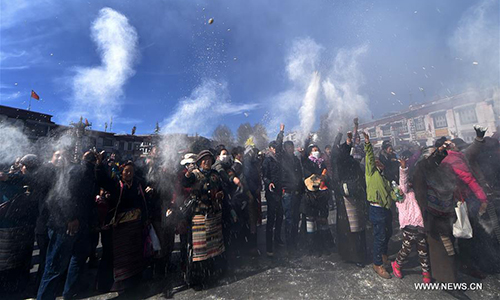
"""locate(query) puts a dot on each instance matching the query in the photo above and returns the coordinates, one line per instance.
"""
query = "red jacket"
(458, 163)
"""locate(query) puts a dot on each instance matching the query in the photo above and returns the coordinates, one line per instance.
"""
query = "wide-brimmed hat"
(203, 154)
(189, 158)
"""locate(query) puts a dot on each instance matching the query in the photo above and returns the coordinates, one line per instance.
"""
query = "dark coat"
(349, 170)
(271, 167)
(292, 178)
(76, 200)
(251, 167)
(271, 171)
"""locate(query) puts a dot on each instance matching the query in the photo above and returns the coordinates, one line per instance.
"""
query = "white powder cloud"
(97, 91)
(319, 87)
(201, 112)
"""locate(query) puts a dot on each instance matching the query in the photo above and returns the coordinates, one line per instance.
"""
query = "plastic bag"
(151, 243)
(462, 228)
(155, 241)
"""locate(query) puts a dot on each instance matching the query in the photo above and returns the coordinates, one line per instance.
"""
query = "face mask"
(224, 158)
(315, 154)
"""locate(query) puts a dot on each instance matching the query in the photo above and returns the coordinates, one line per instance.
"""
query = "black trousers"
(274, 218)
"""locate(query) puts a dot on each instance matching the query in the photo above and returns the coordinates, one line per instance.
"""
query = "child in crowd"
(412, 224)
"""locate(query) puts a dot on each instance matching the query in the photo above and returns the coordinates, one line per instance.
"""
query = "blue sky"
(255, 62)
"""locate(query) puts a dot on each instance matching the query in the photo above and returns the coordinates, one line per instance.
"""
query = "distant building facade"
(37, 126)
(452, 117)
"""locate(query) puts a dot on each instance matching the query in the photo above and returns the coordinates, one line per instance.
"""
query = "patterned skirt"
(353, 215)
(208, 241)
(128, 247)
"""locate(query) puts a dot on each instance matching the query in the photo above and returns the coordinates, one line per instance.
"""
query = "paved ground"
(300, 277)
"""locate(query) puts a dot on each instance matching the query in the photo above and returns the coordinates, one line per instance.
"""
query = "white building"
(452, 117)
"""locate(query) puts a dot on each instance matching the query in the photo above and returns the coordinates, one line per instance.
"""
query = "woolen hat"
(203, 154)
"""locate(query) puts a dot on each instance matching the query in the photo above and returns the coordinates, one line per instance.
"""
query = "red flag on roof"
(34, 95)
(87, 122)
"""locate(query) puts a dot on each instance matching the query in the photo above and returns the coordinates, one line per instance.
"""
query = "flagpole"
(29, 106)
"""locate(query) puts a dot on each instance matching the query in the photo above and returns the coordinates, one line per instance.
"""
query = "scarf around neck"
(317, 161)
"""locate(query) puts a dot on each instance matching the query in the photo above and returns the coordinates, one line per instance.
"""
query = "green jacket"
(378, 189)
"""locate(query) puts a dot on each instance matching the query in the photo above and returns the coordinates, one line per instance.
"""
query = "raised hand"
(99, 156)
(282, 127)
(349, 135)
(480, 131)
(367, 137)
(190, 168)
(403, 162)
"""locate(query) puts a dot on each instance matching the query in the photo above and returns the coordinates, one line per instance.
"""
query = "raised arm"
(337, 140)
(356, 126)
(403, 176)
(474, 150)
(370, 165)
(279, 139)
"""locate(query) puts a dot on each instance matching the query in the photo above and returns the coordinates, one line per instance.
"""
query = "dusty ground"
(298, 277)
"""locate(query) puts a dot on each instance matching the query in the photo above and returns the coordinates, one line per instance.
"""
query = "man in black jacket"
(271, 173)
(292, 189)
(70, 208)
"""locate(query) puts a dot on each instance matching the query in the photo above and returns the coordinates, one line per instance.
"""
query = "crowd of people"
(212, 201)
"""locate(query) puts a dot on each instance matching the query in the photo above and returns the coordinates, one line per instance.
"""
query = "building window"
(419, 124)
(372, 132)
(129, 145)
(440, 121)
(122, 146)
(468, 115)
(400, 127)
(108, 143)
(386, 130)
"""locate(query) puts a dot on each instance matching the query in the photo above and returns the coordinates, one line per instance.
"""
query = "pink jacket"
(458, 163)
(409, 211)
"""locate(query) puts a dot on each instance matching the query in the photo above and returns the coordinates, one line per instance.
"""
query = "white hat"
(189, 158)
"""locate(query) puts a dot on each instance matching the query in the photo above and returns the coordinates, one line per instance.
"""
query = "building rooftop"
(23, 114)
